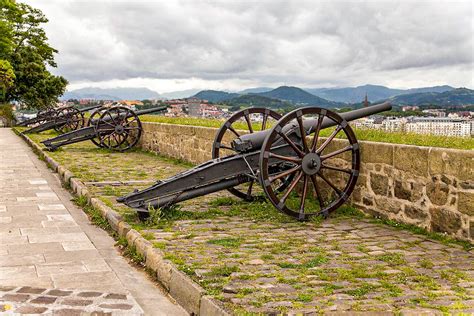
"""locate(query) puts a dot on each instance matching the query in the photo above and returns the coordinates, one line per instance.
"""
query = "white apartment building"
(439, 126)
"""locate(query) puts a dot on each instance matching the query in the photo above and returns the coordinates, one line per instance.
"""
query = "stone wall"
(429, 187)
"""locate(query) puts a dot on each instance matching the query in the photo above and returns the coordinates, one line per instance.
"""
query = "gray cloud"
(309, 43)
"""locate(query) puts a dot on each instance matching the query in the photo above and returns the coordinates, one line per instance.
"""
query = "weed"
(226, 242)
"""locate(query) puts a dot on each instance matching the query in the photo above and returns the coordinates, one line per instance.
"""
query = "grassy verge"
(361, 134)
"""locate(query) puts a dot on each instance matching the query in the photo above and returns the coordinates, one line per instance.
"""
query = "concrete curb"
(183, 289)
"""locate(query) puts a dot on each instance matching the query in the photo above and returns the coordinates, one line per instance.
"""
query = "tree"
(26, 48)
(7, 78)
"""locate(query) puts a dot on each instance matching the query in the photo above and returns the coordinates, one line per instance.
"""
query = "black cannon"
(301, 173)
(117, 128)
(62, 119)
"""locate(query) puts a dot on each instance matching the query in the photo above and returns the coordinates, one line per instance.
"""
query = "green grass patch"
(361, 134)
(226, 242)
(222, 271)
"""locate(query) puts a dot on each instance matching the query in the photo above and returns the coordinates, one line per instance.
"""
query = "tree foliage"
(24, 45)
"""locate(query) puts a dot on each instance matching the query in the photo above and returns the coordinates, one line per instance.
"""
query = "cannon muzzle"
(254, 141)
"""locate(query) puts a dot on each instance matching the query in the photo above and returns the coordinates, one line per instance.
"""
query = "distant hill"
(255, 90)
(215, 96)
(460, 96)
(115, 94)
(256, 100)
(297, 96)
(374, 92)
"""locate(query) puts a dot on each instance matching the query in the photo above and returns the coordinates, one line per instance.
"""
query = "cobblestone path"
(52, 260)
(341, 265)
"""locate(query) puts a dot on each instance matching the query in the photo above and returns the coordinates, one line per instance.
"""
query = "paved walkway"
(52, 259)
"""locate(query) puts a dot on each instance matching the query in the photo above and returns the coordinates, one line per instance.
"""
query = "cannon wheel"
(311, 163)
(229, 131)
(94, 118)
(68, 119)
(118, 128)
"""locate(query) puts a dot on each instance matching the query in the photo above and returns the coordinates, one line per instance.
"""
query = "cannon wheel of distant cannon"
(314, 157)
(118, 128)
(228, 131)
(45, 115)
(93, 119)
(68, 119)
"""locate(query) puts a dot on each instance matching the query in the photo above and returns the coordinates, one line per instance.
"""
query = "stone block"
(407, 190)
(123, 228)
(415, 212)
(466, 203)
(411, 159)
(186, 292)
(372, 152)
(388, 205)
(437, 192)
(142, 246)
(379, 184)
(114, 219)
(452, 162)
(471, 230)
(210, 307)
(444, 220)
(162, 268)
(132, 235)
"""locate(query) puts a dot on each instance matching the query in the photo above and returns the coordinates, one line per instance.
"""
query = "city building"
(440, 126)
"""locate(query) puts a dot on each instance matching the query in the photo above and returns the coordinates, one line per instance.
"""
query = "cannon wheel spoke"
(348, 171)
(329, 139)
(302, 133)
(307, 165)
(286, 158)
(314, 143)
(292, 144)
(337, 152)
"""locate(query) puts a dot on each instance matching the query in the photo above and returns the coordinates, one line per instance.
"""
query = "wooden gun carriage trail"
(62, 119)
(116, 128)
(301, 173)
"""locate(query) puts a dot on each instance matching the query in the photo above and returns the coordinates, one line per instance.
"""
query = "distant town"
(407, 118)
(441, 110)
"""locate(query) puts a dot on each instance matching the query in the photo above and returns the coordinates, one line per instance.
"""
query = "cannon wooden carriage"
(63, 119)
(301, 173)
(117, 128)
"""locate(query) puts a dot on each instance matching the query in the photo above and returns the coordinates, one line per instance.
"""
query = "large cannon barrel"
(151, 110)
(255, 141)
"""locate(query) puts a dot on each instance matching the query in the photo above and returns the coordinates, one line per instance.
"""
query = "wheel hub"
(119, 129)
(311, 163)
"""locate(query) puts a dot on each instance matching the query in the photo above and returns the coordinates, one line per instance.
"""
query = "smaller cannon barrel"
(255, 141)
(92, 107)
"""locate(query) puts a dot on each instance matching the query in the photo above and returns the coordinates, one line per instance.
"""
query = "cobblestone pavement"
(52, 260)
(343, 264)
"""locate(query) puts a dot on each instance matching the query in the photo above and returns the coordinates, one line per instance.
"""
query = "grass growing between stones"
(256, 260)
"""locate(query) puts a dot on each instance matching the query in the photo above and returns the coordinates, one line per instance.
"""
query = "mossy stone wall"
(426, 186)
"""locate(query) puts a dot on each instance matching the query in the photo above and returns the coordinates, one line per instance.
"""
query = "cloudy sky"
(174, 45)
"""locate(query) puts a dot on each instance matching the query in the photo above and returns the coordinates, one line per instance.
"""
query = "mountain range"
(115, 94)
(326, 97)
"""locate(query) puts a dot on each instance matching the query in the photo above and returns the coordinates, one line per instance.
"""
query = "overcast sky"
(176, 45)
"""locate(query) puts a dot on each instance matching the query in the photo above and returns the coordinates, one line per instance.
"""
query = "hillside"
(297, 96)
(115, 94)
(255, 90)
(215, 96)
(374, 92)
(256, 100)
(460, 96)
